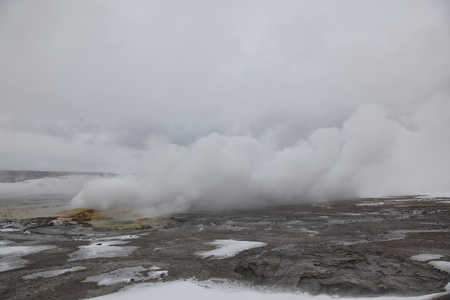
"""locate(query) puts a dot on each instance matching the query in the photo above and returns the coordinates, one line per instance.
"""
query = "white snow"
(447, 287)
(401, 234)
(21, 250)
(370, 204)
(126, 275)
(102, 248)
(11, 263)
(4, 243)
(426, 257)
(228, 248)
(11, 256)
(309, 232)
(9, 229)
(225, 291)
(105, 247)
(434, 194)
(440, 197)
(158, 274)
(444, 266)
(52, 273)
(119, 237)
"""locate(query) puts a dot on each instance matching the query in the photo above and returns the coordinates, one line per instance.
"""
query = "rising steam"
(227, 104)
(374, 153)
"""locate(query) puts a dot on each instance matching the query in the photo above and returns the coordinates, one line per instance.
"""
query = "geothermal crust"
(363, 247)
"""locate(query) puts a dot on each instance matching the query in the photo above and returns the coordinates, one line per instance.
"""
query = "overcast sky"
(118, 86)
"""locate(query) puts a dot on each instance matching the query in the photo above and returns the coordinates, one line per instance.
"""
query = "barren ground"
(358, 247)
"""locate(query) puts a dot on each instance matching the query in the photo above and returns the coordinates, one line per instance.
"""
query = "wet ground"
(358, 247)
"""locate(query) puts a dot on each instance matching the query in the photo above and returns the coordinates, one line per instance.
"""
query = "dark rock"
(39, 222)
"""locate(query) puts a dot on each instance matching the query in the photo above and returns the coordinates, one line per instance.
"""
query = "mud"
(358, 248)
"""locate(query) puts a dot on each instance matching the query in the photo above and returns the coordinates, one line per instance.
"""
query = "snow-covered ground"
(104, 247)
(426, 257)
(444, 266)
(228, 248)
(11, 256)
(127, 275)
(68, 186)
(443, 197)
(222, 289)
(9, 229)
(191, 289)
(432, 259)
(52, 273)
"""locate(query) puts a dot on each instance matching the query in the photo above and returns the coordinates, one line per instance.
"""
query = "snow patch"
(433, 195)
(229, 248)
(119, 237)
(104, 247)
(426, 257)
(447, 287)
(11, 256)
(4, 243)
(309, 232)
(401, 234)
(191, 289)
(52, 273)
(370, 204)
(9, 229)
(127, 275)
(443, 266)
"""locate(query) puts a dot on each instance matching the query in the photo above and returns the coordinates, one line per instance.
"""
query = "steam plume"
(372, 154)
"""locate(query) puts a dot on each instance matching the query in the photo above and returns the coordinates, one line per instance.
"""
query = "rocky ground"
(359, 247)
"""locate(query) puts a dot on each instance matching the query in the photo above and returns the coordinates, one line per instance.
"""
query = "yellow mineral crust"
(85, 214)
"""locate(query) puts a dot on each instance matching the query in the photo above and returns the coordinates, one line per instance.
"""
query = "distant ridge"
(17, 176)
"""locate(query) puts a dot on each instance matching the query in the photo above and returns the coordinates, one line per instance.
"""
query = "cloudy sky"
(280, 95)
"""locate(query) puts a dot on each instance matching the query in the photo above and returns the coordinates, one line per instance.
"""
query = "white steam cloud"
(228, 104)
(373, 154)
